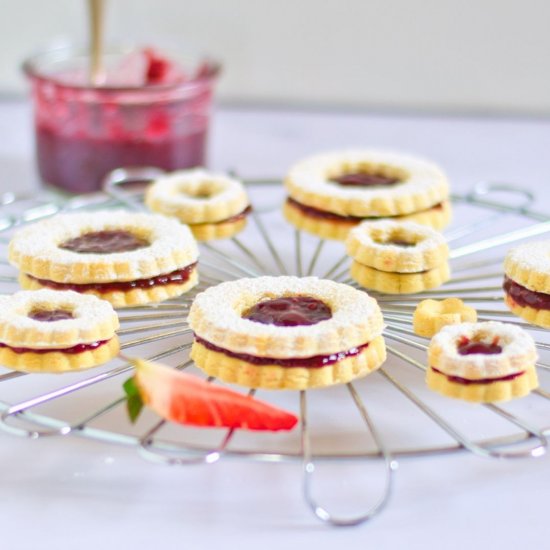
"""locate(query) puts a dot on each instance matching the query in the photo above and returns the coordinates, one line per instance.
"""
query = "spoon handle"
(96, 13)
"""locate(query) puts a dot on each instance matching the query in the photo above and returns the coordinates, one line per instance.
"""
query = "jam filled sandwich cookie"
(330, 194)
(124, 257)
(286, 332)
(482, 362)
(397, 257)
(527, 282)
(50, 331)
(214, 206)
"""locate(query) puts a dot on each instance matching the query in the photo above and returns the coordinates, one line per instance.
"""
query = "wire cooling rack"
(365, 426)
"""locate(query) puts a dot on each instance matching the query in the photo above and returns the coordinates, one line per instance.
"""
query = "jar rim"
(31, 68)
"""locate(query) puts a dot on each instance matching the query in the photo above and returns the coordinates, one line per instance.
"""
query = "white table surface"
(74, 493)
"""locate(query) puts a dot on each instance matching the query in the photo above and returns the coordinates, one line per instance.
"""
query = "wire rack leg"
(308, 469)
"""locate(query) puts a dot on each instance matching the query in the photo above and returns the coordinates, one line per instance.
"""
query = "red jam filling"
(79, 348)
(471, 348)
(290, 311)
(364, 179)
(326, 215)
(104, 242)
(49, 316)
(238, 217)
(179, 276)
(525, 297)
(467, 381)
(315, 362)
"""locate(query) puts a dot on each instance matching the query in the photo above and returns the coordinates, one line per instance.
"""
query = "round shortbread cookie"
(514, 350)
(397, 247)
(197, 196)
(86, 319)
(40, 249)
(216, 316)
(418, 185)
(529, 265)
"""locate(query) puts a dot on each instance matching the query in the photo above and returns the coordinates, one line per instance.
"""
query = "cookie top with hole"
(367, 183)
(397, 247)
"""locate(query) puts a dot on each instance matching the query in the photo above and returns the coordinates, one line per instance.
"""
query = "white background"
(485, 55)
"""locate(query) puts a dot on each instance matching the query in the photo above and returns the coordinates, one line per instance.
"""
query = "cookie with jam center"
(482, 362)
(50, 331)
(124, 257)
(215, 206)
(286, 332)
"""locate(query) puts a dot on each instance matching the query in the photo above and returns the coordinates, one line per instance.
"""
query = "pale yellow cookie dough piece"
(377, 244)
(399, 283)
(539, 317)
(57, 361)
(420, 184)
(499, 390)
(274, 377)
(430, 316)
(129, 298)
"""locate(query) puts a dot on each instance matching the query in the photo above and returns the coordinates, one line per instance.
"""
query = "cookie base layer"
(129, 298)
(539, 317)
(483, 393)
(399, 283)
(57, 361)
(338, 230)
(219, 230)
(274, 377)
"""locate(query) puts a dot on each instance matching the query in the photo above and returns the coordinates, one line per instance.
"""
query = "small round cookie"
(50, 331)
(527, 282)
(286, 332)
(367, 183)
(399, 283)
(397, 247)
(215, 206)
(430, 316)
(333, 226)
(482, 362)
(124, 257)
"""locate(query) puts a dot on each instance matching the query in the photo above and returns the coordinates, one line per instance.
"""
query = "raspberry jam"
(79, 348)
(179, 276)
(364, 179)
(237, 217)
(49, 316)
(315, 362)
(326, 215)
(472, 348)
(289, 311)
(105, 242)
(525, 297)
(467, 381)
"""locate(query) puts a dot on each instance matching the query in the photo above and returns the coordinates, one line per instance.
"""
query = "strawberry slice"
(187, 399)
